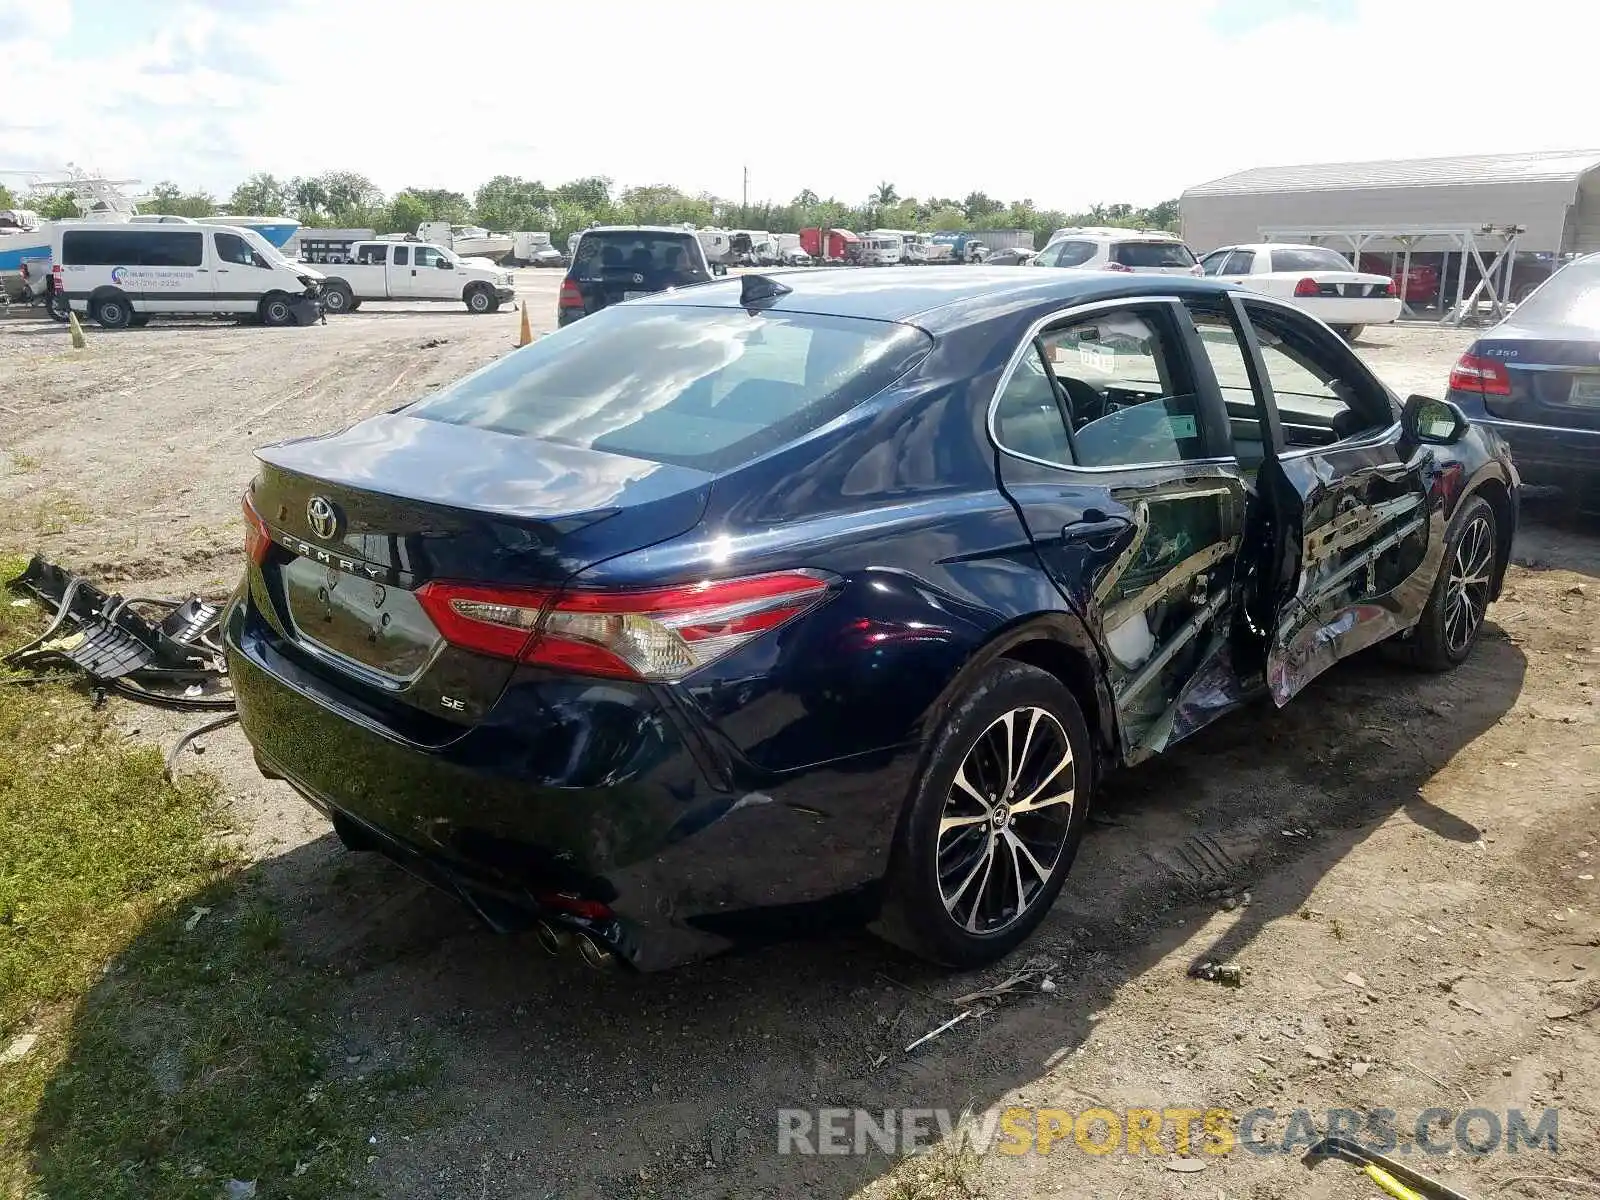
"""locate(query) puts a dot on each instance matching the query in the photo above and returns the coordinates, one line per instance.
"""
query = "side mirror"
(719, 268)
(1431, 422)
(445, 264)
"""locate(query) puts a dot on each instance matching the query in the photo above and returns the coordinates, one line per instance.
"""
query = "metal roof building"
(1555, 195)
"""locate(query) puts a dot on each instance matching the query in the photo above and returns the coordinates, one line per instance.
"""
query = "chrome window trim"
(1528, 426)
(1020, 353)
(1572, 369)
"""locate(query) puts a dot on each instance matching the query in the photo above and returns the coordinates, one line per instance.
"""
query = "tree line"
(346, 199)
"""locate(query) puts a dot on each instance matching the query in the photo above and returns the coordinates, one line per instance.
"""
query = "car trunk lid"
(1552, 381)
(362, 520)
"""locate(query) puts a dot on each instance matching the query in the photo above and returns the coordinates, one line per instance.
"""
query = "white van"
(123, 273)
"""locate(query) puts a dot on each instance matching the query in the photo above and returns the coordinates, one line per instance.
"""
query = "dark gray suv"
(614, 263)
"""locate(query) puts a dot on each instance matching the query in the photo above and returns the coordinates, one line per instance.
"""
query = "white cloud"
(1017, 99)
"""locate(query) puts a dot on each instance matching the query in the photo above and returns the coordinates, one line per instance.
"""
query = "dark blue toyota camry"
(750, 606)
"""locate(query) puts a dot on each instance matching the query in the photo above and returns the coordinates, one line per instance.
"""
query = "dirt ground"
(1402, 867)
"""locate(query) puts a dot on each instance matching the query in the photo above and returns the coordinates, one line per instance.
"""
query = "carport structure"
(1491, 216)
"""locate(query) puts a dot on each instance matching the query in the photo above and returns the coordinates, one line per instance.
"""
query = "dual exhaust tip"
(558, 941)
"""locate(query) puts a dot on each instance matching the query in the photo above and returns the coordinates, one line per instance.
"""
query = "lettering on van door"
(174, 279)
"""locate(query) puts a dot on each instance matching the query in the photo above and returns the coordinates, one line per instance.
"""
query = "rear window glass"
(1311, 258)
(638, 252)
(1569, 297)
(706, 388)
(1152, 254)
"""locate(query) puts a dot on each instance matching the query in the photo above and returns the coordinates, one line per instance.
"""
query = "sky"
(1063, 103)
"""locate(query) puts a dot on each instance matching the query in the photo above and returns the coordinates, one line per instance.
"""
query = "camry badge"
(322, 516)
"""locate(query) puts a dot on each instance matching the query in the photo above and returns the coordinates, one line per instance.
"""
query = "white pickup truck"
(384, 270)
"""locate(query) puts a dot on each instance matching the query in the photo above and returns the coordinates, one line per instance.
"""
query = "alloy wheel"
(1467, 590)
(1005, 820)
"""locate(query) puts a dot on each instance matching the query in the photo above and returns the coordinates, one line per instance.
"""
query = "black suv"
(614, 263)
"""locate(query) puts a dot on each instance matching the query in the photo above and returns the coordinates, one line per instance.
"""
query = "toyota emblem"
(322, 516)
(638, 278)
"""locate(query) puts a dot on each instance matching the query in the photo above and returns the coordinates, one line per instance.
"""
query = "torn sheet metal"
(163, 651)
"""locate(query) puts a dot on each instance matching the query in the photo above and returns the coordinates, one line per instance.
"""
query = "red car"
(1421, 282)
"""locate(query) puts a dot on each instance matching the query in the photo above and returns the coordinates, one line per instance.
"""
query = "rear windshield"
(1569, 297)
(629, 250)
(1310, 258)
(707, 388)
(1152, 254)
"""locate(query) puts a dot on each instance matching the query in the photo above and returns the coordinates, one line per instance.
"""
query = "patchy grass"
(53, 512)
(176, 1042)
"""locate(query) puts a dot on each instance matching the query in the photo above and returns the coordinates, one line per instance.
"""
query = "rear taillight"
(571, 297)
(1388, 288)
(257, 539)
(1485, 375)
(1116, 266)
(1307, 287)
(660, 634)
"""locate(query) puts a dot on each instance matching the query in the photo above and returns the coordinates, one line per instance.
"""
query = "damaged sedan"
(740, 609)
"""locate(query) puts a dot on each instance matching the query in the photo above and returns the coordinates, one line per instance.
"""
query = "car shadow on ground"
(677, 1078)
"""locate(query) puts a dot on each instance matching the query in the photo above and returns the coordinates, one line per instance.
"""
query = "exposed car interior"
(1114, 401)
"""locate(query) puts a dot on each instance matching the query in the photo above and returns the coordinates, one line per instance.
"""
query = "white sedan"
(1319, 280)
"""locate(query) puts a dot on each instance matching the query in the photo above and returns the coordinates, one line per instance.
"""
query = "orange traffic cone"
(526, 336)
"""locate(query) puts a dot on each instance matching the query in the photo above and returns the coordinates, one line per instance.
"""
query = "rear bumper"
(572, 788)
(1543, 454)
(1343, 310)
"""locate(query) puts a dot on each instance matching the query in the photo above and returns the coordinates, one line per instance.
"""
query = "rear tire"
(1453, 619)
(112, 312)
(276, 310)
(56, 307)
(1350, 332)
(338, 298)
(993, 821)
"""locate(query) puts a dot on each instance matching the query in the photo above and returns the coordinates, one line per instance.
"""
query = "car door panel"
(1146, 555)
(401, 273)
(1362, 547)
(1353, 563)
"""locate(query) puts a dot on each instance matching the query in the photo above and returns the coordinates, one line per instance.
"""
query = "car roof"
(1107, 234)
(934, 298)
(1279, 246)
(678, 229)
